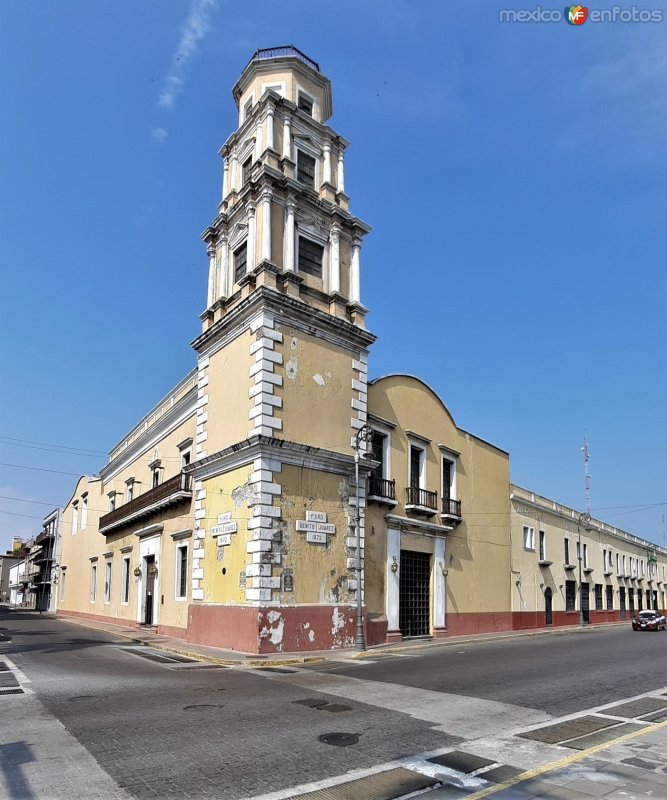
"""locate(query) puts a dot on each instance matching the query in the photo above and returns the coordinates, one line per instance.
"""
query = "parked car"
(649, 621)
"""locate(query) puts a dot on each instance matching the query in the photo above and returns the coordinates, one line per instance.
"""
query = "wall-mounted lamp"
(518, 583)
(443, 568)
(152, 569)
(394, 565)
(137, 572)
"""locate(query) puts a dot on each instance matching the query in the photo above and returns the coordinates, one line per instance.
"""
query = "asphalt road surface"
(176, 730)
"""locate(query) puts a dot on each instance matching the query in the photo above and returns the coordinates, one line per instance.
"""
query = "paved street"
(100, 716)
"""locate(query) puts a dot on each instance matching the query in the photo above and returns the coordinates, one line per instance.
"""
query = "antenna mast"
(587, 475)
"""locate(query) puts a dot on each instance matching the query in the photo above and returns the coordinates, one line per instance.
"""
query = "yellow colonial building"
(231, 514)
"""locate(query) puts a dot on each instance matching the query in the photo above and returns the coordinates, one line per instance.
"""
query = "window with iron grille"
(125, 581)
(570, 595)
(305, 169)
(93, 583)
(631, 600)
(610, 598)
(107, 581)
(181, 572)
(415, 467)
(245, 170)
(567, 551)
(447, 470)
(648, 598)
(377, 448)
(305, 103)
(598, 597)
(311, 255)
(639, 600)
(240, 261)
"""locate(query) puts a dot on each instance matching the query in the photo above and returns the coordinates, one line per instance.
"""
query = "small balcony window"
(305, 103)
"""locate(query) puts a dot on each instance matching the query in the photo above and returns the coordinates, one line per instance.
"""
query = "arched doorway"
(548, 612)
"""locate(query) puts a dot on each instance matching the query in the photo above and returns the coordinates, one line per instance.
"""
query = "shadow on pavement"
(12, 758)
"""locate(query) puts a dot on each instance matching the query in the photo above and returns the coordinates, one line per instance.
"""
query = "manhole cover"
(339, 739)
(310, 703)
(201, 706)
(82, 698)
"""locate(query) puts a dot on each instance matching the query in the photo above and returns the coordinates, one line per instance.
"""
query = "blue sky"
(514, 176)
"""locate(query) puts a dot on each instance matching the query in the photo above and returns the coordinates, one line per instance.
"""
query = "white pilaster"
(250, 265)
(341, 173)
(439, 583)
(223, 274)
(287, 137)
(289, 235)
(326, 177)
(334, 253)
(393, 586)
(269, 128)
(258, 141)
(235, 172)
(267, 194)
(355, 288)
(212, 275)
(225, 179)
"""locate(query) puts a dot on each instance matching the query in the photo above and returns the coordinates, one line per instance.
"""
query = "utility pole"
(585, 522)
(363, 435)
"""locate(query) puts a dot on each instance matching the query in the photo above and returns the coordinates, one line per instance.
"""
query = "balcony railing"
(422, 498)
(174, 490)
(382, 488)
(451, 507)
(284, 52)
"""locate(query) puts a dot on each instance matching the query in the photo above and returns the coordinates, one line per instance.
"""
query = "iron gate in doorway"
(414, 618)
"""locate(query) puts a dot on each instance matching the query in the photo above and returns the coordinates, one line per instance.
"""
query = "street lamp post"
(363, 435)
(585, 521)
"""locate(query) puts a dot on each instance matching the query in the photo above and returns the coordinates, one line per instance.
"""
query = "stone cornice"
(174, 417)
(417, 526)
(287, 310)
(287, 452)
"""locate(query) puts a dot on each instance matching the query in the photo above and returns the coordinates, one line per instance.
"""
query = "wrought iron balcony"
(421, 500)
(451, 509)
(175, 490)
(381, 490)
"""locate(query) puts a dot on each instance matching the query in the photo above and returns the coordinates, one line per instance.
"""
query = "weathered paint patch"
(292, 369)
(244, 494)
(319, 380)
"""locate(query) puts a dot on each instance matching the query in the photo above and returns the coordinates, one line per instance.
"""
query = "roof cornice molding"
(286, 310)
(177, 415)
(287, 452)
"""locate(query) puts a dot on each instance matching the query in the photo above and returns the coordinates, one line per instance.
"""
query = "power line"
(40, 469)
(46, 444)
(23, 500)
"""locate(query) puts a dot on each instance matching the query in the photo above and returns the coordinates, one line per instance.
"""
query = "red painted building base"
(283, 629)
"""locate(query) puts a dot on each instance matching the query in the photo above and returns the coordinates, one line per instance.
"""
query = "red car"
(649, 621)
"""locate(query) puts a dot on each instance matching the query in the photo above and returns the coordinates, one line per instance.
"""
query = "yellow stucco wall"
(317, 393)
(228, 401)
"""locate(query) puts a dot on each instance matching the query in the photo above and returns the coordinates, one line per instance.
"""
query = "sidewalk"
(218, 655)
(631, 767)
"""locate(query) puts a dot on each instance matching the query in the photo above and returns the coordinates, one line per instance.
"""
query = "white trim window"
(528, 537)
(93, 583)
(543, 545)
(310, 257)
(112, 501)
(181, 587)
(130, 489)
(107, 581)
(125, 581)
(84, 510)
(585, 556)
(448, 464)
(75, 516)
(306, 168)
(305, 102)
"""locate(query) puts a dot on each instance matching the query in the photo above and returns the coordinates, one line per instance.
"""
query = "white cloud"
(159, 135)
(195, 28)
